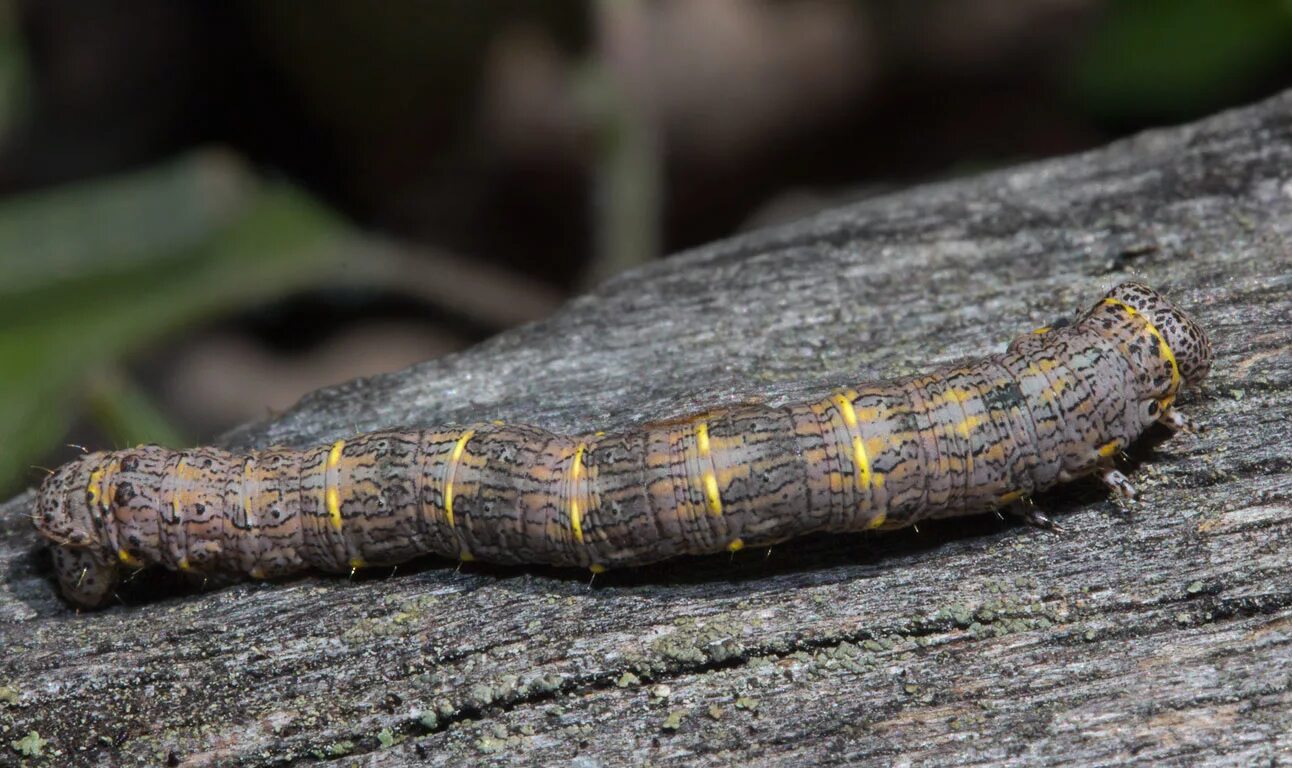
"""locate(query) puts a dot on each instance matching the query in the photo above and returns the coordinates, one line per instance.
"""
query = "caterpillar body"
(1058, 404)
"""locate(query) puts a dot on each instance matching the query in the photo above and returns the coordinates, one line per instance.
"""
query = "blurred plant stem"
(118, 407)
(620, 103)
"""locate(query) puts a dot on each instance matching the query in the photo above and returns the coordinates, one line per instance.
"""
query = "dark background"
(208, 209)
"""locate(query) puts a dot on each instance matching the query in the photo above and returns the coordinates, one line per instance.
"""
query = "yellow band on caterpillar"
(576, 469)
(1161, 340)
(458, 450)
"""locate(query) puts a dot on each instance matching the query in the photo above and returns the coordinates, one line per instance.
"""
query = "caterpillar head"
(1185, 340)
(69, 513)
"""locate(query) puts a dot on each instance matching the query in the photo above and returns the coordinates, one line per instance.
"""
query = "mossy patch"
(675, 719)
(31, 745)
(700, 643)
(335, 749)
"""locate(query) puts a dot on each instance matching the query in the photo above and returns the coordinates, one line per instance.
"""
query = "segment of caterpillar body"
(1058, 404)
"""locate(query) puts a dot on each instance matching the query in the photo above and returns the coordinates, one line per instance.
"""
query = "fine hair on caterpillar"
(1060, 403)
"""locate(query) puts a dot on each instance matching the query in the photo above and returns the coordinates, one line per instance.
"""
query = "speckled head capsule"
(69, 513)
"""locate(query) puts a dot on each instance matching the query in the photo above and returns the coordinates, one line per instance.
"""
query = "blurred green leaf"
(119, 223)
(1161, 58)
(92, 272)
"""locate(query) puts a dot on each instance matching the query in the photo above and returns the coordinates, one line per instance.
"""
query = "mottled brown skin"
(1060, 403)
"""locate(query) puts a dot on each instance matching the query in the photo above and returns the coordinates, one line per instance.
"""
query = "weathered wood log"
(1162, 636)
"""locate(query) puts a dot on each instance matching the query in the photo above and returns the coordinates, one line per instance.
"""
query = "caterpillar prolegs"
(1058, 404)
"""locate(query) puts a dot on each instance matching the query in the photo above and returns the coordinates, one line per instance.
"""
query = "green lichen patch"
(675, 719)
(334, 749)
(700, 643)
(999, 617)
(31, 745)
(747, 704)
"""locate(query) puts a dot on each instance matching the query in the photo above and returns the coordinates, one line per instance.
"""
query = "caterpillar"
(1060, 403)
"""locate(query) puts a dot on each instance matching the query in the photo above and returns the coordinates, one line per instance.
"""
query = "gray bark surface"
(1162, 637)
